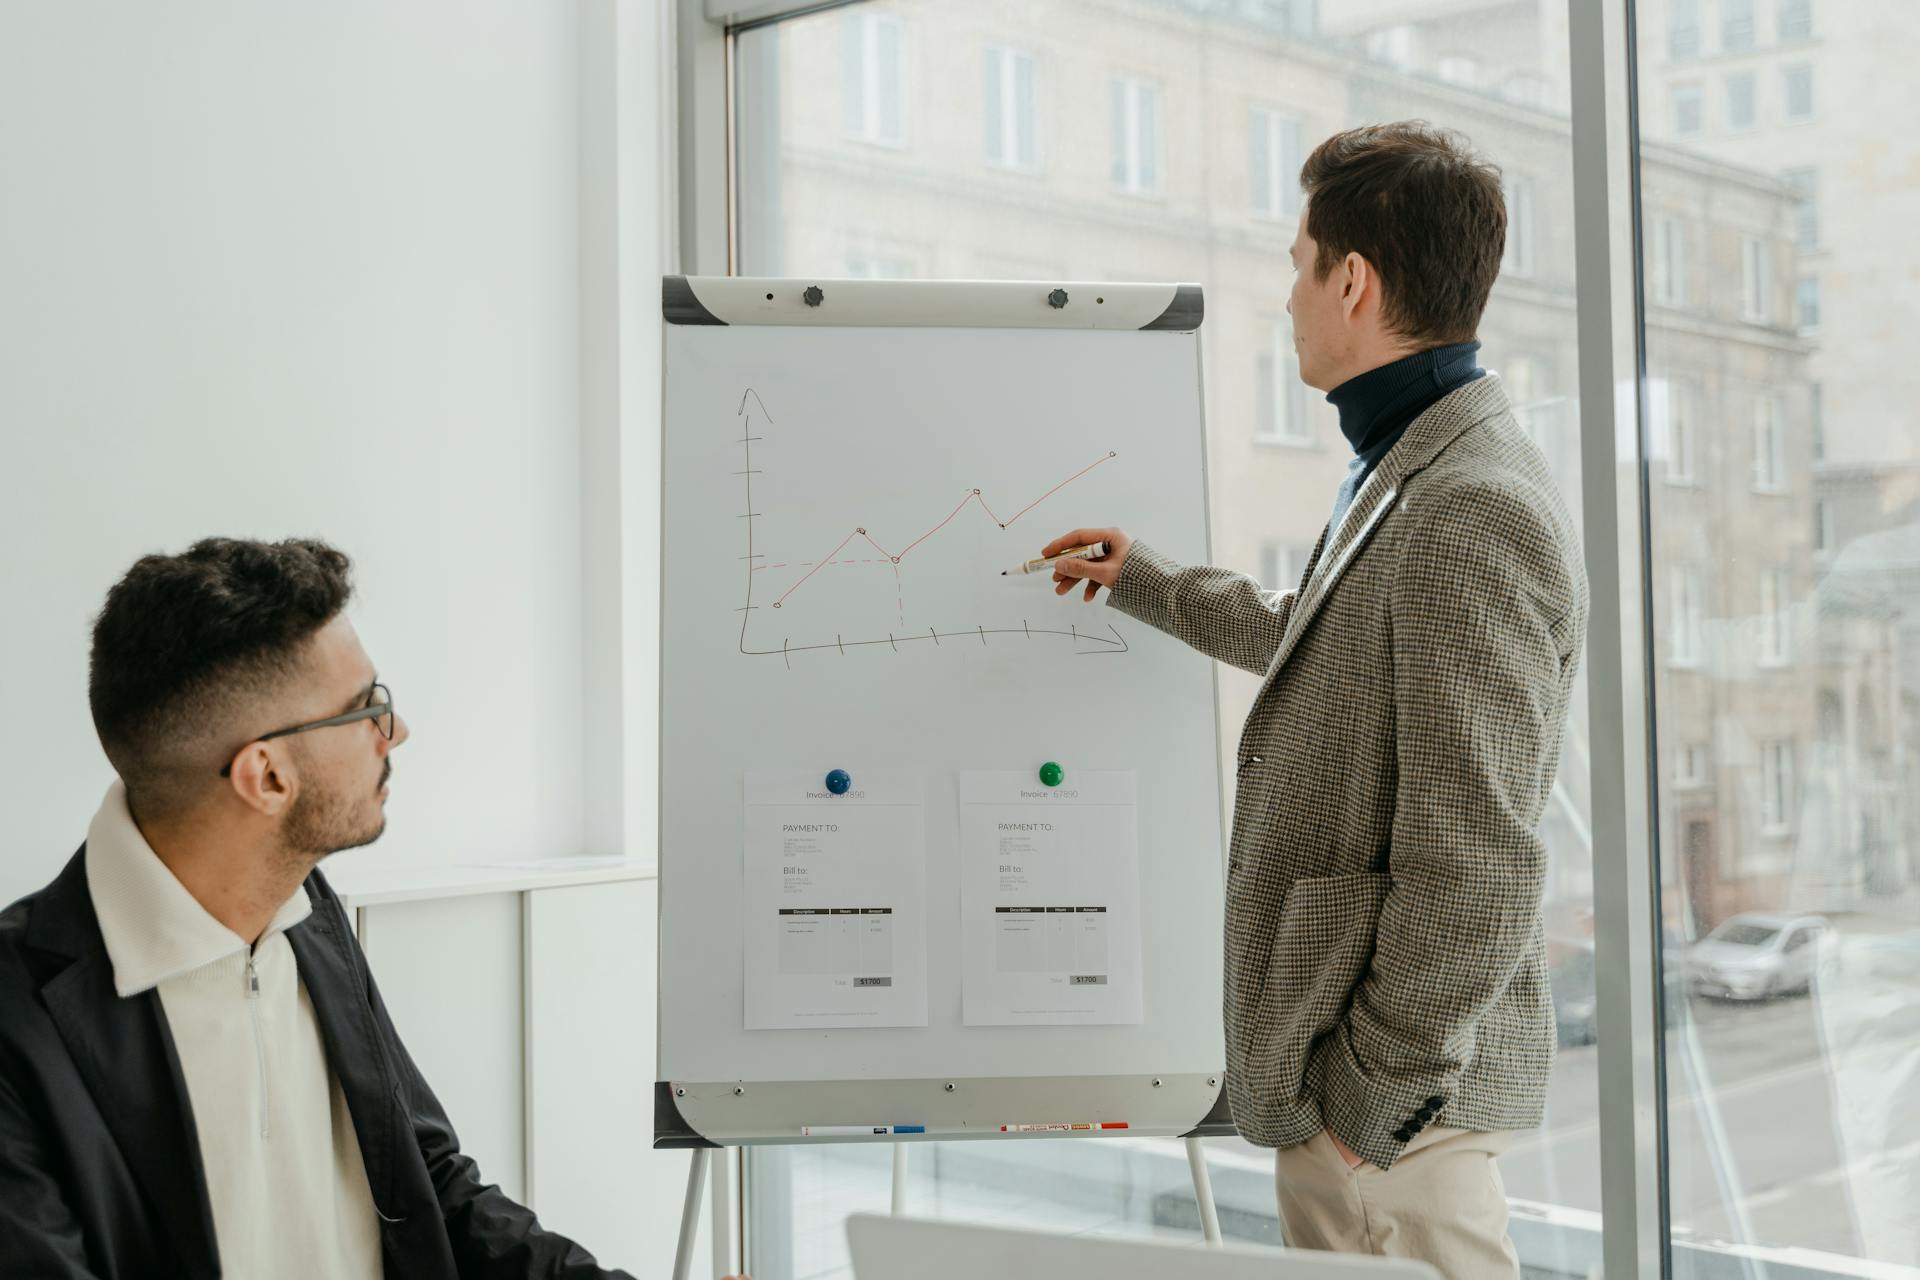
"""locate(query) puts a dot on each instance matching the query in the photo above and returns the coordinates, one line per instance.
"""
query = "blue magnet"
(838, 781)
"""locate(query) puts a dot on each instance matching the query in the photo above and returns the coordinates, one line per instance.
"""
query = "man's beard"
(324, 822)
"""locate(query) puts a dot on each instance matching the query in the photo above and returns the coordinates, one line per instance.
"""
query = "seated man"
(197, 1074)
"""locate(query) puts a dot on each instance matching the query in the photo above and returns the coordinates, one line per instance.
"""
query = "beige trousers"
(1442, 1202)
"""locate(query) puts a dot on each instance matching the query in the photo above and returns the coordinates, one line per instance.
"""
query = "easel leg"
(690, 1214)
(899, 1179)
(1203, 1193)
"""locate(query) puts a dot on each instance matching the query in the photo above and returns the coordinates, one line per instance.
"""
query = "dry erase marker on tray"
(1062, 1128)
(1092, 551)
(857, 1130)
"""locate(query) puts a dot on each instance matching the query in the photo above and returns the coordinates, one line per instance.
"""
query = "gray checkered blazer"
(1385, 964)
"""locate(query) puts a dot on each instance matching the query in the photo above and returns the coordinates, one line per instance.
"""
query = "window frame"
(1283, 199)
(871, 130)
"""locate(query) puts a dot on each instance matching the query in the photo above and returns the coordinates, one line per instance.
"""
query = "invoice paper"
(835, 900)
(1050, 899)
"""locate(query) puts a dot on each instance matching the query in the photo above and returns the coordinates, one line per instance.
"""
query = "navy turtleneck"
(1377, 406)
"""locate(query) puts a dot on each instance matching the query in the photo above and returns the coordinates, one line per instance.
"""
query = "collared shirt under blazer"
(1385, 964)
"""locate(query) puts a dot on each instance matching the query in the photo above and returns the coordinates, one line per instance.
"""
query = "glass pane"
(1190, 103)
(1786, 611)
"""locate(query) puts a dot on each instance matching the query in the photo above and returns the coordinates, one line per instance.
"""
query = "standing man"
(1387, 1015)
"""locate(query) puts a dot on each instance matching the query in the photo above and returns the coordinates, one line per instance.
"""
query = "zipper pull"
(253, 980)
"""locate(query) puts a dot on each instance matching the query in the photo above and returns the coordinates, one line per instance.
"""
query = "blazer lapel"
(123, 1052)
(354, 1052)
(1426, 436)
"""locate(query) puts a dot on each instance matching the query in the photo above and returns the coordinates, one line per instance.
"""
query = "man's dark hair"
(187, 645)
(1424, 209)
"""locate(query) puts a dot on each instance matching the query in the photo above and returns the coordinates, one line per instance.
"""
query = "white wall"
(271, 270)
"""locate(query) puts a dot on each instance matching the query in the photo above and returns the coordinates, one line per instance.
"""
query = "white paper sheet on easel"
(835, 900)
(1050, 899)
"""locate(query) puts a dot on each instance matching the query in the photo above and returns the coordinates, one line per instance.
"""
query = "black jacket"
(100, 1172)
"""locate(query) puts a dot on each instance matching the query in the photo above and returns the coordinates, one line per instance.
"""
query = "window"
(1776, 787)
(1795, 20)
(1775, 619)
(1459, 69)
(1736, 25)
(1805, 184)
(1526, 89)
(1158, 84)
(1769, 446)
(1008, 92)
(1690, 766)
(1798, 591)
(1281, 412)
(1686, 616)
(1756, 277)
(1796, 88)
(1683, 30)
(1817, 420)
(1393, 45)
(1680, 405)
(1806, 304)
(1518, 260)
(871, 79)
(1134, 111)
(1669, 261)
(1740, 100)
(1273, 163)
(870, 266)
(1689, 109)
(1283, 564)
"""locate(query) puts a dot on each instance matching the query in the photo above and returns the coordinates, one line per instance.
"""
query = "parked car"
(1752, 956)
(1575, 1007)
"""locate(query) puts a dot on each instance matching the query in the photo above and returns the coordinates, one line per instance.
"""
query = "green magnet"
(1051, 773)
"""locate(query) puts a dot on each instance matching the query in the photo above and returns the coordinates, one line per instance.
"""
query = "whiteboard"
(841, 486)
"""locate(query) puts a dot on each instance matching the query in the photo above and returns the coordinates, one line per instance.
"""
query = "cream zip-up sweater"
(282, 1162)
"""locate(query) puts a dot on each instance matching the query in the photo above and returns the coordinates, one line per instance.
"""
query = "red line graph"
(973, 496)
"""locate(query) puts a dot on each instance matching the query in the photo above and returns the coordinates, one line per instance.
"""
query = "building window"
(1775, 618)
(1796, 86)
(1795, 19)
(1686, 618)
(1736, 25)
(1518, 260)
(868, 266)
(1273, 164)
(1689, 110)
(872, 77)
(1776, 787)
(1756, 280)
(1806, 304)
(1805, 184)
(1740, 100)
(1817, 419)
(1669, 261)
(1822, 527)
(1282, 565)
(1281, 413)
(1769, 446)
(1690, 766)
(1527, 89)
(1459, 69)
(1683, 30)
(1011, 133)
(1682, 434)
(1393, 46)
(1135, 113)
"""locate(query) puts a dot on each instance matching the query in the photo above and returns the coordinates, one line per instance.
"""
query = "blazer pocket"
(1321, 950)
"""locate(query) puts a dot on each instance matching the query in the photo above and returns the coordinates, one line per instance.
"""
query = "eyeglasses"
(379, 709)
